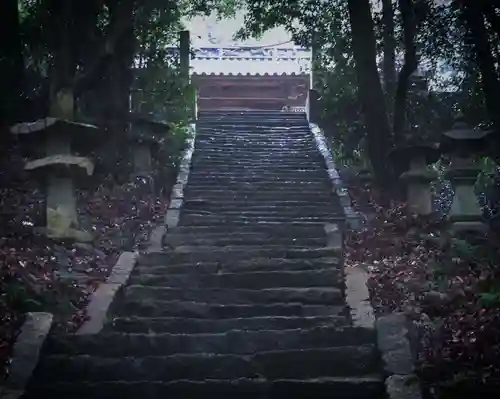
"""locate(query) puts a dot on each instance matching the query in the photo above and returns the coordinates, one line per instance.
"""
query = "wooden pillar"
(184, 56)
(313, 111)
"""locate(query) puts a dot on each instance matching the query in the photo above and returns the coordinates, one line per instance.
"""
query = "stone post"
(462, 143)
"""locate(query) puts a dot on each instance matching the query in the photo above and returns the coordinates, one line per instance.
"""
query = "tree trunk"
(479, 38)
(64, 66)
(370, 91)
(11, 61)
(489, 78)
(410, 65)
(389, 46)
(119, 65)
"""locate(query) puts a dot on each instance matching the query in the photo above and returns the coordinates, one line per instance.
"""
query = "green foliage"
(490, 299)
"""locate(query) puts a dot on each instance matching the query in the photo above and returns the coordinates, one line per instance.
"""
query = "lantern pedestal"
(410, 162)
(418, 190)
(462, 143)
(465, 213)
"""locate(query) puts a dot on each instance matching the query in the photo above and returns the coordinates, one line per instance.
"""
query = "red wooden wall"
(269, 92)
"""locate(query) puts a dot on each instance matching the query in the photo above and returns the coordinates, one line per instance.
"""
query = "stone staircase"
(246, 299)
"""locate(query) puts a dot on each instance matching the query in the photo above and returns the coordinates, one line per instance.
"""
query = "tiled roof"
(250, 61)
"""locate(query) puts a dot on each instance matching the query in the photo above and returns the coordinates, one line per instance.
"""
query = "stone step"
(203, 310)
(201, 202)
(259, 137)
(258, 208)
(262, 135)
(223, 239)
(269, 161)
(365, 387)
(254, 118)
(293, 213)
(296, 364)
(221, 149)
(231, 254)
(264, 169)
(247, 130)
(237, 342)
(216, 194)
(202, 165)
(215, 150)
(267, 169)
(177, 325)
(262, 141)
(285, 230)
(257, 181)
(306, 296)
(239, 123)
(249, 157)
(269, 185)
(238, 265)
(309, 175)
(187, 219)
(306, 190)
(249, 125)
(258, 114)
(250, 280)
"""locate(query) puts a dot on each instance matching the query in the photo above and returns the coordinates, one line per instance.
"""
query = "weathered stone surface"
(235, 265)
(403, 387)
(255, 388)
(227, 254)
(296, 364)
(230, 342)
(358, 297)
(306, 296)
(245, 238)
(241, 296)
(153, 308)
(251, 280)
(196, 219)
(392, 340)
(334, 236)
(399, 361)
(102, 298)
(172, 218)
(176, 325)
(26, 350)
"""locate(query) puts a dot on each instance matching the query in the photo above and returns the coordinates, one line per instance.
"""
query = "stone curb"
(393, 342)
(358, 297)
(177, 196)
(102, 298)
(354, 219)
(26, 352)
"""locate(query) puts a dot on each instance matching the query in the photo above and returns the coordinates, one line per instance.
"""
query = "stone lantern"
(146, 134)
(410, 161)
(419, 84)
(462, 143)
(364, 172)
(60, 169)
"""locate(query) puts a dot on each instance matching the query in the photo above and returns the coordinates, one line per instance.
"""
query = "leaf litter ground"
(449, 288)
(38, 274)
